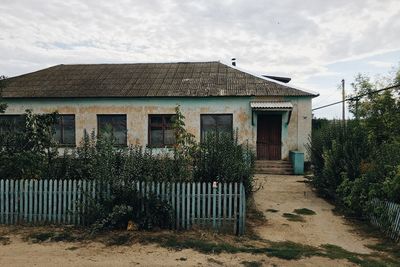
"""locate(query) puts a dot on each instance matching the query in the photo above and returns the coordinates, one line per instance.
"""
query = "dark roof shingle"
(184, 79)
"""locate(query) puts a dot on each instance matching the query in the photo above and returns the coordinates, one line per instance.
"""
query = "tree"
(3, 106)
(378, 112)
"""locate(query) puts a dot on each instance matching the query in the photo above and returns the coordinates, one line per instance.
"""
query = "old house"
(138, 100)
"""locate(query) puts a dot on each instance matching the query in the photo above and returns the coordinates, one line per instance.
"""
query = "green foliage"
(221, 158)
(304, 211)
(29, 151)
(360, 161)
(3, 106)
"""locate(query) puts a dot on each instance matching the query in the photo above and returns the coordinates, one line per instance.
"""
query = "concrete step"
(273, 167)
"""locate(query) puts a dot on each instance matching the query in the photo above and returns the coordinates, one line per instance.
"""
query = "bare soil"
(287, 193)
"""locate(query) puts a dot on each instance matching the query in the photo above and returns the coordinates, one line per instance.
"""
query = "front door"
(269, 128)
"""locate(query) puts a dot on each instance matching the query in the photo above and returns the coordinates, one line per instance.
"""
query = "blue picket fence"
(388, 219)
(221, 206)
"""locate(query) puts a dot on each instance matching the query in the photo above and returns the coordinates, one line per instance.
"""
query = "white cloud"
(287, 37)
(380, 64)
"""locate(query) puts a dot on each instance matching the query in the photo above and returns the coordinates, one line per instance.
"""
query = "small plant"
(293, 217)
(272, 210)
(4, 240)
(252, 263)
(304, 211)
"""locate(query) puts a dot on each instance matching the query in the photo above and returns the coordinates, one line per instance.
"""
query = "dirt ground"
(286, 193)
(281, 193)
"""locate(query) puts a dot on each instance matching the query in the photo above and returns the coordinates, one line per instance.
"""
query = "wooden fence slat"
(45, 200)
(198, 203)
(204, 212)
(6, 201)
(219, 207)
(40, 192)
(11, 201)
(188, 205)
(193, 194)
(2, 219)
(26, 200)
(235, 195)
(209, 214)
(74, 192)
(35, 201)
(214, 204)
(16, 196)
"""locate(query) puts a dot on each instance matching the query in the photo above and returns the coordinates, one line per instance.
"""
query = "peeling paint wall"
(294, 135)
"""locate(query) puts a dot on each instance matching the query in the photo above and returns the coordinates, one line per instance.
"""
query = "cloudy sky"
(315, 42)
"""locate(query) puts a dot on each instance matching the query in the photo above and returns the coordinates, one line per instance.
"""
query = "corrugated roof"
(184, 79)
(275, 105)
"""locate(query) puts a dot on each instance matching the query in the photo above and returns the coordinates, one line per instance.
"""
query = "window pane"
(69, 136)
(169, 137)
(156, 136)
(120, 137)
(161, 133)
(169, 120)
(115, 124)
(219, 122)
(224, 123)
(12, 123)
(57, 134)
(156, 119)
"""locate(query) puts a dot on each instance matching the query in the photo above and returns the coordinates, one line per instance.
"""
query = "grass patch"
(119, 240)
(215, 261)
(272, 210)
(251, 263)
(293, 217)
(40, 237)
(4, 240)
(63, 236)
(291, 251)
(393, 249)
(304, 211)
(373, 260)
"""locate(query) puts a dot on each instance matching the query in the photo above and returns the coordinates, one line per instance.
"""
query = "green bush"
(221, 158)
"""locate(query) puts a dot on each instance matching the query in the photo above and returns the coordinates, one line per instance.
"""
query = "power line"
(357, 97)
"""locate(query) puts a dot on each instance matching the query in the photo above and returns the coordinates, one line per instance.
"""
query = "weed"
(4, 240)
(251, 263)
(293, 217)
(40, 237)
(119, 240)
(272, 210)
(291, 251)
(215, 261)
(304, 211)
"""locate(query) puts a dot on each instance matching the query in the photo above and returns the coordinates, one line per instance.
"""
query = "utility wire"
(357, 97)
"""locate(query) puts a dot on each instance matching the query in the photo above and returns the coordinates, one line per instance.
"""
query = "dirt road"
(283, 194)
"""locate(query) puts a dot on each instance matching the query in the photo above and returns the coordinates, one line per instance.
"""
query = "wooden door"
(269, 129)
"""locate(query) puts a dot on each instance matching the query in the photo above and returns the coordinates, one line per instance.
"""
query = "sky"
(315, 42)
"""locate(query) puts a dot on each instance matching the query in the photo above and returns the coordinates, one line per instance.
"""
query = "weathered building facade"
(138, 100)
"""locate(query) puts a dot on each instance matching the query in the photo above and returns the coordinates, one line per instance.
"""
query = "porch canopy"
(271, 106)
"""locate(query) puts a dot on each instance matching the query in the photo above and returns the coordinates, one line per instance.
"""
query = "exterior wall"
(294, 136)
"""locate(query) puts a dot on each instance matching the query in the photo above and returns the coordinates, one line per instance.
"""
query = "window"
(161, 133)
(11, 123)
(222, 123)
(115, 125)
(65, 130)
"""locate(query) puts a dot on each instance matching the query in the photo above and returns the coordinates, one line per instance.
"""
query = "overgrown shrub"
(358, 162)
(221, 158)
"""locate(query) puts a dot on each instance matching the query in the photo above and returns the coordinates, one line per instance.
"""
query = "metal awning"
(271, 105)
